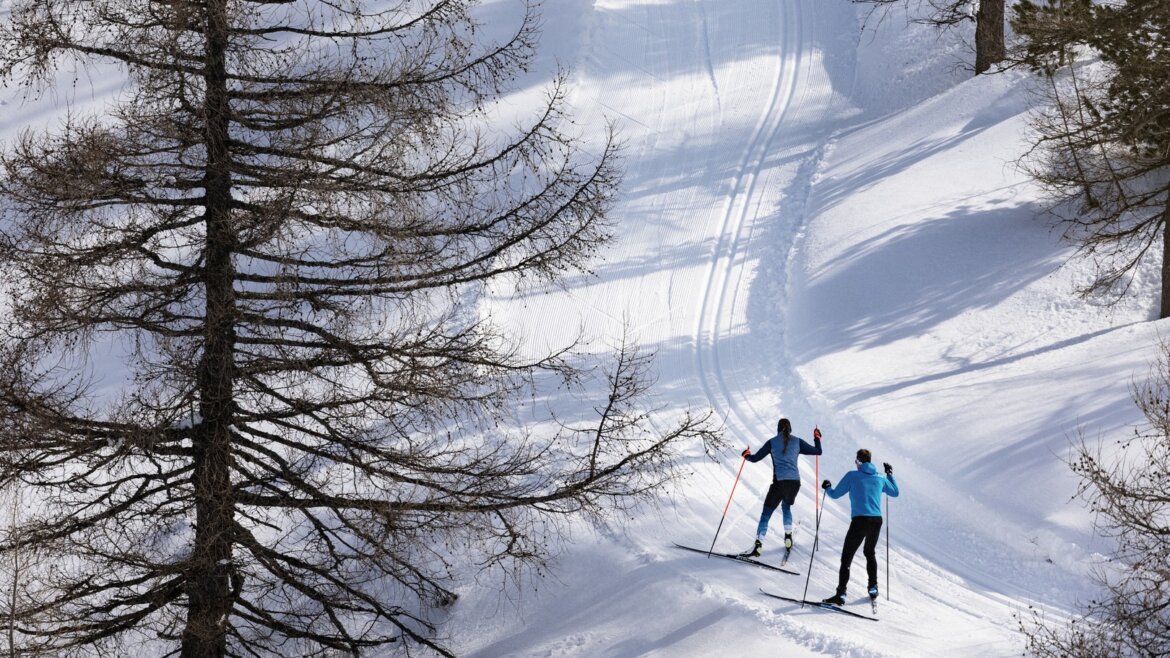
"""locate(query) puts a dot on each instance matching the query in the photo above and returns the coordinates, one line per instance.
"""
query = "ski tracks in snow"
(720, 333)
(705, 39)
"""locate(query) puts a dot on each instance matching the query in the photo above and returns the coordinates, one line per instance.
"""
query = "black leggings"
(862, 528)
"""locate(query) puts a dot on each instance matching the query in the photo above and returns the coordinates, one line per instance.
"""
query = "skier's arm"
(842, 487)
(890, 486)
(766, 449)
(806, 449)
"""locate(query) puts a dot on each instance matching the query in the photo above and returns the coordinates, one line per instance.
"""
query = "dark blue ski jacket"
(784, 461)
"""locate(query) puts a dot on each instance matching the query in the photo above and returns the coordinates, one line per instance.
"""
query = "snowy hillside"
(825, 224)
(828, 224)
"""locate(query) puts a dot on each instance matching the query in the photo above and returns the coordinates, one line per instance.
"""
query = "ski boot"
(755, 550)
(836, 599)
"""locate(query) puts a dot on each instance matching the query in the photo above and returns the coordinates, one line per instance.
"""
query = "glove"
(747, 452)
(889, 469)
(817, 433)
(826, 485)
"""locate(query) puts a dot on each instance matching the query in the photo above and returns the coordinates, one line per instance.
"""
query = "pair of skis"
(764, 565)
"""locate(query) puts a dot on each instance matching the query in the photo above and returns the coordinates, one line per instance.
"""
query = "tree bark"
(209, 566)
(989, 38)
(289, 215)
(1165, 310)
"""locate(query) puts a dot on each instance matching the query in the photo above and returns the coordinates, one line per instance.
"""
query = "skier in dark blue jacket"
(784, 448)
(865, 488)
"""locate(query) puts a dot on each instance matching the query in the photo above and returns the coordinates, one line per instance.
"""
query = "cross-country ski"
(818, 604)
(739, 558)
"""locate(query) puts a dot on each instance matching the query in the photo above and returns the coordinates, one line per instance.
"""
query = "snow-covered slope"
(827, 224)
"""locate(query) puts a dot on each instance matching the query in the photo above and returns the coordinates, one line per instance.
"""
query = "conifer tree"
(989, 17)
(280, 233)
(1103, 146)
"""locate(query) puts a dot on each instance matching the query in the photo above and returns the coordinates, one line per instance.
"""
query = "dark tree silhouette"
(280, 232)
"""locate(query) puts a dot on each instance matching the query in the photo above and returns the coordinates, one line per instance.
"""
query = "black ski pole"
(813, 552)
(887, 548)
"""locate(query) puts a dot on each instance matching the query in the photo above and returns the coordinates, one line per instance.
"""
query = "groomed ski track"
(728, 111)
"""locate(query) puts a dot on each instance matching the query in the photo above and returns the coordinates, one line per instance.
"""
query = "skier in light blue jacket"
(785, 448)
(865, 488)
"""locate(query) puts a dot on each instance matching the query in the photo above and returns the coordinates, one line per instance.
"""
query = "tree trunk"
(1165, 311)
(989, 39)
(210, 564)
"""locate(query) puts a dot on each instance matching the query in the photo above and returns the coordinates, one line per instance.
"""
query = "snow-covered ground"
(824, 223)
(829, 224)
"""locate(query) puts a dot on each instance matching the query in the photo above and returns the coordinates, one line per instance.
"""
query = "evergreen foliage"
(1104, 148)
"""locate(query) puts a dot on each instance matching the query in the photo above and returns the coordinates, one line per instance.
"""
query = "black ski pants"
(862, 529)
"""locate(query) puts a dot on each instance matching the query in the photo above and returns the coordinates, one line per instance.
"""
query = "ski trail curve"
(728, 269)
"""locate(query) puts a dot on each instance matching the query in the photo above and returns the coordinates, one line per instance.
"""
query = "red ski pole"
(741, 464)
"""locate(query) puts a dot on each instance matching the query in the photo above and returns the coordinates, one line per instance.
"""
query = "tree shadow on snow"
(913, 277)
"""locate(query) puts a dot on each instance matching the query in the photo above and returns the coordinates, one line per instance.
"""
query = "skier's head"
(784, 427)
(863, 456)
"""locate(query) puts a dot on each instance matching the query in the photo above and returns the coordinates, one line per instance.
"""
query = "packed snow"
(822, 218)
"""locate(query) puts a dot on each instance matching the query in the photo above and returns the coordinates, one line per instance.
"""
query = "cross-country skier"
(865, 487)
(784, 448)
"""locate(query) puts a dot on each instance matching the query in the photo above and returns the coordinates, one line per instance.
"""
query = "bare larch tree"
(1128, 491)
(279, 233)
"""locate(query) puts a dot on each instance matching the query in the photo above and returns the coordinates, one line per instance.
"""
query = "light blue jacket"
(784, 460)
(865, 487)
